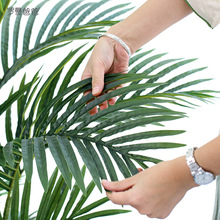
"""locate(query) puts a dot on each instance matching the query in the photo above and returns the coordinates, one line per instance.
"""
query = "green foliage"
(52, 113)
(3, 8)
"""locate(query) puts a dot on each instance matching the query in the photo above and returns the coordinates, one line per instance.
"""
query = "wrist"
(124, 36)
(183, 173)
(120, 41)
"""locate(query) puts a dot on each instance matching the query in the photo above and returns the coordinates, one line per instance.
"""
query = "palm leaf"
(3, 8)
(106, 139)
(42, 47)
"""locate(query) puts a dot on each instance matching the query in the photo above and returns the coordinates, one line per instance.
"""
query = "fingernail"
(95, 90)
(105, 182)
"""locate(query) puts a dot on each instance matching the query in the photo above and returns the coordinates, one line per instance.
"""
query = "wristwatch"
(200, 176)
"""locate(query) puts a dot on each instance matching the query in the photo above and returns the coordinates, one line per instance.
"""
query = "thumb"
(118, 186)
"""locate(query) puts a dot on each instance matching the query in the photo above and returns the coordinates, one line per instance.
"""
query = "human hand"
(108, 56)
(155, 191)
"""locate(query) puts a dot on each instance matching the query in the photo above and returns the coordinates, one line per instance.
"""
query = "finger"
(112, 101)
(87, 92)
(97, 79)
(93, 111)
(103, 105)
(118, 186)
(140, 169)
(120, 198)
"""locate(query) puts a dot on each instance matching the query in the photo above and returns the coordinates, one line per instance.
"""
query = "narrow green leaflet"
(4, 41)
(97, 160)
(73, 15)
(8, 153)
(54, 198)
(59, 158)
(148, 146)
(45, 199)
(121, 164)
(108, 162)
(105, 12)
(25, 202)
(27, 147)
(13, 98)
(3, 8)
(83, 199)
(143, 135)
(2, 157)
(92, 206)
(73, 196)
(103, 214)
(71, 160)
(135, 123)
(29, 28)
(4, 185)
(133, 169)
(88, 160)
(88, 11)
(8, 126)
(59, 205)
(40, 157)
(48, 20)
(17, 30)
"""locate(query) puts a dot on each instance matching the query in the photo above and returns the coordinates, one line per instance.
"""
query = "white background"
(189, 38)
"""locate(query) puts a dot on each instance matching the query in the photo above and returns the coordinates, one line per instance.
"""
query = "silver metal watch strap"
(194, 167)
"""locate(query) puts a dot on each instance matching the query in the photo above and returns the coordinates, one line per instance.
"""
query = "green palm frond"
(3, 8)
(57, 196)
(67, 129)
(58, 35)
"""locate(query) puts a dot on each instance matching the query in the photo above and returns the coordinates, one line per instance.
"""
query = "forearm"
(149, 20)
(208, 156)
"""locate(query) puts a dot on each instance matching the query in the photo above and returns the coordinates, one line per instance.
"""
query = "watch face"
(204, 178)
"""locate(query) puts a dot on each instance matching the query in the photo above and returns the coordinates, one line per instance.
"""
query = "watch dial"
(203, 179)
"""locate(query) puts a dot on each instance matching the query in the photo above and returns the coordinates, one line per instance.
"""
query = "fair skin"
(157, 190)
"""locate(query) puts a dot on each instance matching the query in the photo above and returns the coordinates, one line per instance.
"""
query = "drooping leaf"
(72, 162)
(40, 157)
(88, 160)
(59, 158)
(27, 154)
(9, 154)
